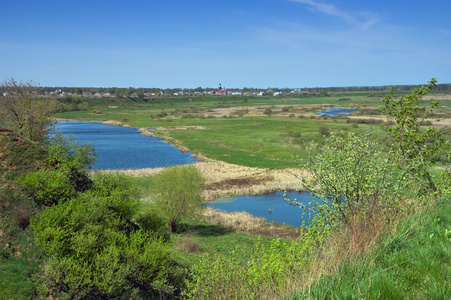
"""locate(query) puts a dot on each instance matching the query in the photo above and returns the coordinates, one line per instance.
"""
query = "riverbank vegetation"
(380, 228)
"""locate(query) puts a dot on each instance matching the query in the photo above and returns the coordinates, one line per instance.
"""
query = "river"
(123, 147)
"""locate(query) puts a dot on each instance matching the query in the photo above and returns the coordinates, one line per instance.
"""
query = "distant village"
(89, 92)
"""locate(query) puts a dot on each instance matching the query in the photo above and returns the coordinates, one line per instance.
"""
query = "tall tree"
(24, 111)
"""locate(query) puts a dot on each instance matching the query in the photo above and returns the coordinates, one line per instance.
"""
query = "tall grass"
(410, 262)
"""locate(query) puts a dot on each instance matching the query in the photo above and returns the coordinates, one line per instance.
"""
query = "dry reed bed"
(228, 179)
(245, 222)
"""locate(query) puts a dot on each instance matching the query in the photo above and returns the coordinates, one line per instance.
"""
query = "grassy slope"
(20, 259)
(413, 262)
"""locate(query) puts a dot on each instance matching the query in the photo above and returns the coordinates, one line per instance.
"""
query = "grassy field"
(237, 130)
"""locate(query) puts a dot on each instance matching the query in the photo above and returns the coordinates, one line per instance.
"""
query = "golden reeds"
(245, 222)
(228, 179)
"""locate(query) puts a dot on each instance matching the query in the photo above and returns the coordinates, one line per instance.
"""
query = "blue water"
(260, 206)
(338, 111)
(124, 148)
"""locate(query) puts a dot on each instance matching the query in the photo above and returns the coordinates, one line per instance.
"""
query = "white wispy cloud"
(363, 19)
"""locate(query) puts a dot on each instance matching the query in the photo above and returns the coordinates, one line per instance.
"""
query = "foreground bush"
(348, 174)
(93, 246)
(48, 187)
(94, 249)
(268, 274)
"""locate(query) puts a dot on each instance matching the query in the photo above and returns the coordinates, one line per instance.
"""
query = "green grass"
(16, 281)
(269, 142)
(198, 239)
(412, 263)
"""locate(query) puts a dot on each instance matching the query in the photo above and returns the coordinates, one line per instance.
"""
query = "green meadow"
(237, 129)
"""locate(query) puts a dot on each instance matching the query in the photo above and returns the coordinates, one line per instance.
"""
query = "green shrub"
(268, 112)
(154, 221)
(324, 132)
(179, 193)
(264, 276)
(119, 192)
(414, 147)
(64, 151)
(348, 175)
(48, 187)
(93, 250)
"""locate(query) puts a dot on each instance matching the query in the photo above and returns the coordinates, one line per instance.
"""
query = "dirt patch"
(437, 97)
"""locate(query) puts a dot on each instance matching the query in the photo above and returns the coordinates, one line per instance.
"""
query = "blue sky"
(191, 43)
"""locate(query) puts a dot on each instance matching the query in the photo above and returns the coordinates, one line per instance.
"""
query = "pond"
(272, 207)
(124, 148)
(338, 111)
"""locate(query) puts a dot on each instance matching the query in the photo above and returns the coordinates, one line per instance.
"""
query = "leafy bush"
(415, 148)
(348, 175)
(264, 276)
(63, 151)
(179, 191)
(324, 132)
(154, 221)
(48, 187)
(119, 190)
(93, 249)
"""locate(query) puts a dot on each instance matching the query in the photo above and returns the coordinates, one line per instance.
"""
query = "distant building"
(221, 91)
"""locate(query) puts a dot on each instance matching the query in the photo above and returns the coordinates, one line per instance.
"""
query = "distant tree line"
(136, 92)
(63, 92)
